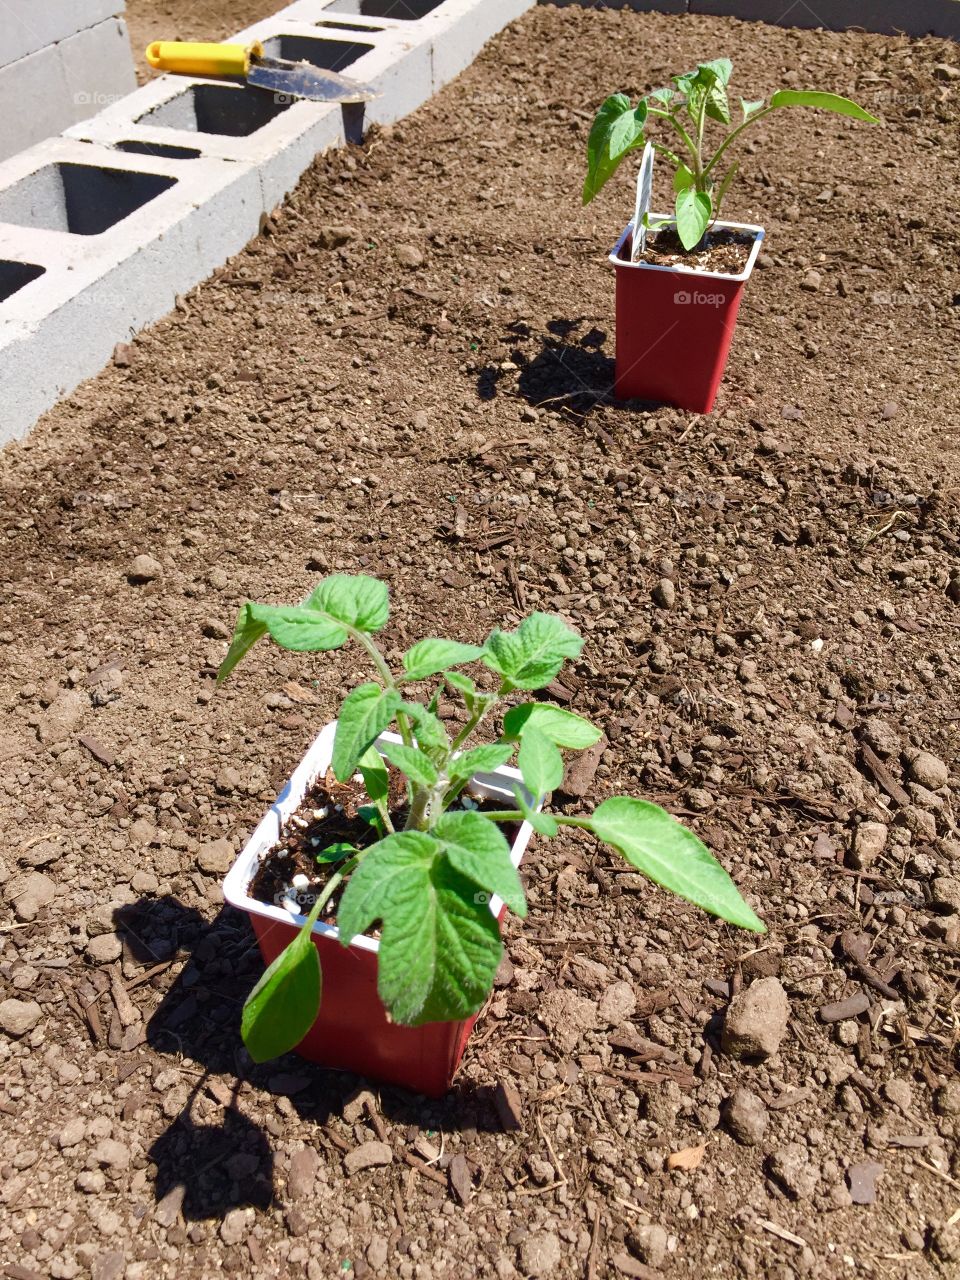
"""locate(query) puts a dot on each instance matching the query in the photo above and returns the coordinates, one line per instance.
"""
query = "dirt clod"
(17, 1017)
(756, 1020)
(746, 1117)
(368, 1155)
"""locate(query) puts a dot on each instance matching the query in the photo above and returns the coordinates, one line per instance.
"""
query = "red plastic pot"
(675, 325)
(352, 1032)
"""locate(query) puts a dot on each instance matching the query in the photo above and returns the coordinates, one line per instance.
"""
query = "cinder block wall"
(60, 61)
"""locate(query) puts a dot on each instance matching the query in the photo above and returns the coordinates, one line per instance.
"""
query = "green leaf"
(683, 178)
(540, 763)
(721, 68)
(662, 97)
(365, 713)
(565, 728)
(531, 656)
(353, 599)
(375, 776)
(825, 101)
(418, 766)
(706, 90)
(672, 856)
(336, 852)
(282, 1007)
(371, 815)
(428, 657)
(617, 129)
(479, 850)
(542, 823)
(750, 108)
(485, 759)
(439, 947)
(246, 634)
(473, 698)
(693, 216)
(427, 728)
(685, 82)
(295, 627)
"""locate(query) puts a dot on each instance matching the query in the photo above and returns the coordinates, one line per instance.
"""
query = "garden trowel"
(278, 76)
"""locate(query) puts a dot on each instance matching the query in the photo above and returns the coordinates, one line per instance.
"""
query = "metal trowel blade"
(302, 80)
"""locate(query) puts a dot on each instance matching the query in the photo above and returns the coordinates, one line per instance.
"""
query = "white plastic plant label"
(644, 191)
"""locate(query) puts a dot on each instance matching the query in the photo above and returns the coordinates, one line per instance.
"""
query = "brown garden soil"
(408, 374)
(149, 20)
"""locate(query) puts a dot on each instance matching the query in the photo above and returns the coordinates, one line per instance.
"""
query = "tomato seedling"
(428, 884)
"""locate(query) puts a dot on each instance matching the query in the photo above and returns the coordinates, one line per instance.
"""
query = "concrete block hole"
(83, 199)
(408, 9)
(343, 25)
(162, 150)
(327, 55)
(230, 111)
(14, 275)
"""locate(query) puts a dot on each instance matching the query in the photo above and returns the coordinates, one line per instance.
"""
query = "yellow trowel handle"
(189, 58)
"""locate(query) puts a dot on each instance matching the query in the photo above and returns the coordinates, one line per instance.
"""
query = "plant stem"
(731, 137)
(687, 140)
(506, 815)
(386, 675)
(329, 889)
(419, 806)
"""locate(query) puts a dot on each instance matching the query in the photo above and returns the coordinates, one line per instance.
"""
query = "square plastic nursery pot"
(675, 325)
(352, 1031)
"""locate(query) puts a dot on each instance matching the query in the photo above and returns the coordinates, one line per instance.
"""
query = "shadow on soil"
(220, 1155)
(565, 371)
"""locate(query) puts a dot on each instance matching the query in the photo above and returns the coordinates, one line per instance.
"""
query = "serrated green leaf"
(540, 763)
(823, 101)
(457, 680)
(427, 728)
(485, 759)
(531, 656)
(479, 850)
(565, 728)
(294, 627)
(439, 946)
(366, 712)
(282, 1007)
(694, 209)
(376, 780)
(617, 129)
(429, 657)
(353, 599)
(473, 698)
(672, 856)
(418, 766)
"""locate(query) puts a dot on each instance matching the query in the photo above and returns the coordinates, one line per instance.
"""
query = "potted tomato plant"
(677, 300)
(376, 882)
